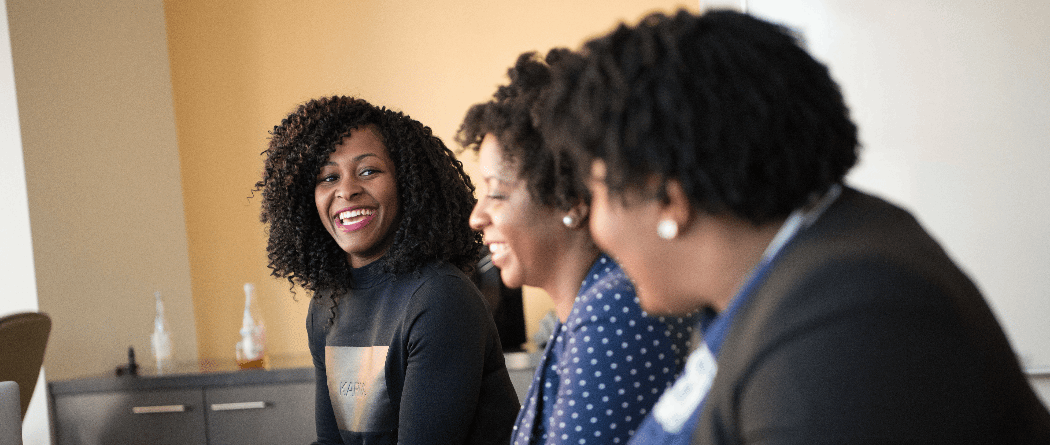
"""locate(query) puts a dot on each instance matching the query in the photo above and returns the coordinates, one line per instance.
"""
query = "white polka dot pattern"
(604, 368)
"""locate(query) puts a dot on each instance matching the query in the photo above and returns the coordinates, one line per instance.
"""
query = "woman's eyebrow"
(358, 158)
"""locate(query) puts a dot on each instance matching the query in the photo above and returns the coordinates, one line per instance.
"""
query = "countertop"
(212, 373)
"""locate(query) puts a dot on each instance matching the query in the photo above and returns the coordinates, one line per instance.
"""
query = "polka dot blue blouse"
(604, 368)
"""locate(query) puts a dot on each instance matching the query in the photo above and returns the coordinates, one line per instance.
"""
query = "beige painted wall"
(16, 262)
(103, 179)
(124, 202)
(238, 67)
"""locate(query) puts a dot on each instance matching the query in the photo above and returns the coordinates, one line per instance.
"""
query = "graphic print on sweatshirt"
(357, 387)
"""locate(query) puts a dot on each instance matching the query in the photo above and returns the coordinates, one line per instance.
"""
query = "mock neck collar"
(368, 275)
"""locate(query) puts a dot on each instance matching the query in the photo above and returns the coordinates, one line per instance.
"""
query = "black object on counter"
(505, 304)
(132, 368)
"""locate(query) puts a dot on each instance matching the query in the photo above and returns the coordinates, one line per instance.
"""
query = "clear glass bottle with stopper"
(161, 339)
(251, 350)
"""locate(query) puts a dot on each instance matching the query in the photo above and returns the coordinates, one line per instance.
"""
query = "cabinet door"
(130, 417)
(261, 414)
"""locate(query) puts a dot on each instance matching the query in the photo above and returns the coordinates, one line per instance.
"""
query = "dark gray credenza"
(228, 408)
(237, 407)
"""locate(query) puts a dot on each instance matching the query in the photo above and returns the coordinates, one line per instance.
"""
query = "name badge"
(678, 404)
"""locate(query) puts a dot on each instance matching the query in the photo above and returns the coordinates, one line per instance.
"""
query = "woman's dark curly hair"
(434, 193)
(551, 177)
(729, 105)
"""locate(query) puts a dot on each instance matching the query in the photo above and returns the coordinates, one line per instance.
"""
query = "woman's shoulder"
(320, 315)
(608, 297)
(437, 274)
(321, 301)
(439, 283)
(607, 281)
(443, 298)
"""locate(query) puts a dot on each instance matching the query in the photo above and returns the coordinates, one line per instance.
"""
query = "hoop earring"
(667, 229)
(568, 221)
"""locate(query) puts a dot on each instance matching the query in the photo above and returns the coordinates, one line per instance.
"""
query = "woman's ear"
(676, 212)
(577, 215)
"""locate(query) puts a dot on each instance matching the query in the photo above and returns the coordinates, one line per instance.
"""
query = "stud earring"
(568, 221)
(667, 229)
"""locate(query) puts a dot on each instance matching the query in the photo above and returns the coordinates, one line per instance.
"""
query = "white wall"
(16, 262)
(953, 104)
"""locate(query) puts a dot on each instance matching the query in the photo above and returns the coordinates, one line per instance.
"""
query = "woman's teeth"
(352, 216)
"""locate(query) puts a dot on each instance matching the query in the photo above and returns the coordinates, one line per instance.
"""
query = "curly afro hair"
(552, 178)
(730, 106)
(434, 193)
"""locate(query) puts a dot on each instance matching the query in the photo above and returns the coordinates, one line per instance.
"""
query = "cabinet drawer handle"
(158, 409)
(237, 406)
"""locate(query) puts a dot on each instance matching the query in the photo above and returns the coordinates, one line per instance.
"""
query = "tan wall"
(103, 179)
(238, 67)
(130, 192)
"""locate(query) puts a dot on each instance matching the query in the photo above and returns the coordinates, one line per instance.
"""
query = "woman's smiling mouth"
(355, 219)
(498, 251)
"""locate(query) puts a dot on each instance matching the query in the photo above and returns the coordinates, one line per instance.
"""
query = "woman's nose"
(347, 189)
(478, 217)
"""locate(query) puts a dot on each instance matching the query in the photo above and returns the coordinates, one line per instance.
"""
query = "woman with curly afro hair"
(367, 210)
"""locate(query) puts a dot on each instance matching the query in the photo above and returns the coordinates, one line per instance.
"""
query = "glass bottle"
(251, 350)
(161, 339)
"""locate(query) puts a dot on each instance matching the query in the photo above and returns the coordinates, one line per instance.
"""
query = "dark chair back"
(23, 339)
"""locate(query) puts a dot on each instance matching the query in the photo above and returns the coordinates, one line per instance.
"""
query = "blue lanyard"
(718, 326)
(714, 329)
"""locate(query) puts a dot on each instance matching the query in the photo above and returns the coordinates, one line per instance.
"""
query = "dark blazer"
(866, 332)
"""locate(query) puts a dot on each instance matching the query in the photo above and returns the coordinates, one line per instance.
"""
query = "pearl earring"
(667, 229)
(568, 221)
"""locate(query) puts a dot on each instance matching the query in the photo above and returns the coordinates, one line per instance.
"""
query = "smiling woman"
(356, 197)
(368, 210)
(829, 315)
(606, 362)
